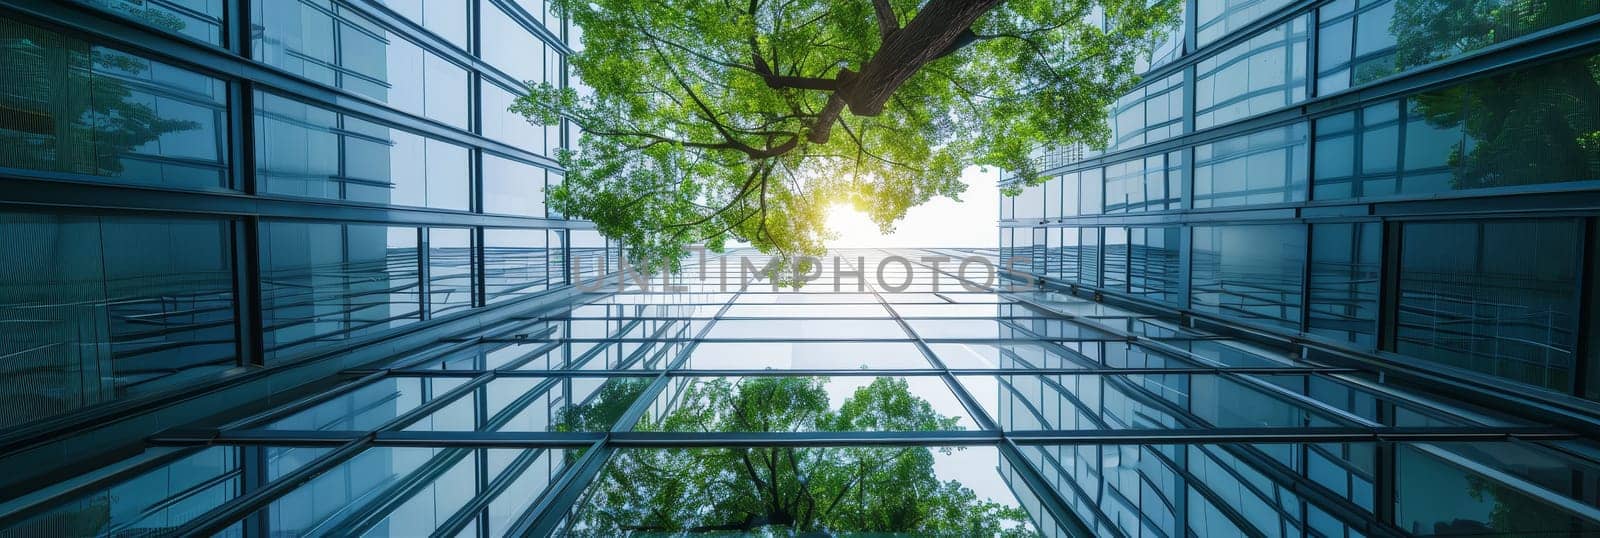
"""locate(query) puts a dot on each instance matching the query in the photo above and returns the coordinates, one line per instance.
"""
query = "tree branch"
(888, 22)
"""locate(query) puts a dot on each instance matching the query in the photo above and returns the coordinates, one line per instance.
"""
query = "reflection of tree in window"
(143, 13)
(1513, 513)
(58, 110)
(813, 489)
(1537, 125)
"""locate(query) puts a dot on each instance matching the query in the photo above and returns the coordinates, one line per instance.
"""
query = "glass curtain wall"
(1396, 178)
(350, 166)
(937, 406)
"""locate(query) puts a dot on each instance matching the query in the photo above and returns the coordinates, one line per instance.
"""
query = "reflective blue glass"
(1492, 297)
(324, 282)
(1344, 281)
(198, 19)
(1263, 74)
(1249, 272)
(518, 263)
(1265, 167)
(71, 107)
(102, 308)
(305, 150)
(1361, 44)
(333, 44)
(451, 270)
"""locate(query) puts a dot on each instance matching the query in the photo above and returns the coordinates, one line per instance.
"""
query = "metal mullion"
(973, 408)
(480, 502)
(1049, 498)
(424, 274)
(217, 519)
(248, 308)
(303, 403)
(557, 501)
(1583, 322)
(427, 408)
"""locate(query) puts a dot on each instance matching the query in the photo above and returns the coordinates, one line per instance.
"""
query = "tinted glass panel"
(68, 106)
(98, 308)
(336, 46)
(512, 47)
(1492, 297)
(1379, 39)
(1344, 281)
(199, 19)
(450, 270)
(1249, 272)
(304, 150)
(501, 124)
(518, 262)
(1515, 130)
(153, 502)
(1266, 167)
(1262, 74)
(1218, 18)
(1149, 114)
(447, 18)
(1153, 264)
(322, 283)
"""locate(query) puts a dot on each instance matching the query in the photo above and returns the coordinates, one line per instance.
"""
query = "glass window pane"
(1218, 18)
(198, 19)
(1265, 73)
(1344, 281)
(322, 283)
(304, 150)
(76, 108)
(1265, 167)
(335, 45)
(517, 263)
(1249, 272)
(101, 308)
(1493, 297)
(450, 270)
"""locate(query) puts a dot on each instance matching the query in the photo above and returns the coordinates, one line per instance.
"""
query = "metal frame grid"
(663, 332)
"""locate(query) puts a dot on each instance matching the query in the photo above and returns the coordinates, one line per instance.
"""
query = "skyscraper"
(283, 268)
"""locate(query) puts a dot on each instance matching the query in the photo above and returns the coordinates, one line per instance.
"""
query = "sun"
(853, 228)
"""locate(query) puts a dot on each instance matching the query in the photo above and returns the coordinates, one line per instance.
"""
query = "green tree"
(717, 119)
(780, 490)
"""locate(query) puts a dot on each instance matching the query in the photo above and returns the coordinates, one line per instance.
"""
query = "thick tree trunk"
(924, 39)
(932, 34)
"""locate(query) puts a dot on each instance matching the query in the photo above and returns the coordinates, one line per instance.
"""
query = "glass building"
(283, 268)
(1401, 187)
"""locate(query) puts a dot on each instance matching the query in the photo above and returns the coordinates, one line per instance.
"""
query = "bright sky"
(939, 223)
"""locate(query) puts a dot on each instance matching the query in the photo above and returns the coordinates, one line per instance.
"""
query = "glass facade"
(719, 408)
(1402, 181)
(286, 268)
(256, 185)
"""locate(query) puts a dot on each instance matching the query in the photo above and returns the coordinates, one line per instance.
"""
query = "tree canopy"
(822, 489)
(706, 120)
